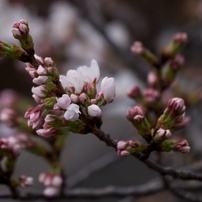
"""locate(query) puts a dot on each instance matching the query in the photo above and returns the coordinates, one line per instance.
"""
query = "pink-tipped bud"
(82, 98)
(20, 29)
(137, 48)
(182, 146)
(74, 98)
(134, 92)
(122, 144)
(176, 106)
(180, 37)
(162, 132)
(133, 112)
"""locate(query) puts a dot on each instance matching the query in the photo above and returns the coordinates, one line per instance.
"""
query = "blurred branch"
(145, 189)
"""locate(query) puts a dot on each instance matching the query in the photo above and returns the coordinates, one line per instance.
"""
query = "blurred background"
(73, 32)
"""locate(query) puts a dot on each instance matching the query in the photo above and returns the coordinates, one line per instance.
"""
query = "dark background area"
(72, 33)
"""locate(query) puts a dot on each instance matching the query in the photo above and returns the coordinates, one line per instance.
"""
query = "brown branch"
(141, 190)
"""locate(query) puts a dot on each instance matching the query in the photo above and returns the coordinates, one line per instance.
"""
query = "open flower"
(72, 112)
(108, 88)
(90, 74)
(64, 101)
(72, 79)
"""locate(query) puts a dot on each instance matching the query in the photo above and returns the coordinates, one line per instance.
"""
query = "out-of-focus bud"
(175, 145)
(25, 181)
(8, 116)
(52, 182)
(171, 69)
(176, 44)
(134, 92)
(152, 80)
(138, 49)
(151, 96)
(182, 146)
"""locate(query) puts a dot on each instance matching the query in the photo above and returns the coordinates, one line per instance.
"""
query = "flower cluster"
(154, 126)
(62, 99)
(52, 182)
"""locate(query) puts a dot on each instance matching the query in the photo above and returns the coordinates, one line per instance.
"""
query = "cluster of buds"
(53, 183)
(24, 181)
(15, 143)
(64, 104)
(136, 116)
(174, 115)
(125, 148)
(175, 145)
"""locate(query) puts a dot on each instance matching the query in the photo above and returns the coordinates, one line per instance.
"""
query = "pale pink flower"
(39, 91)
(72, 112)
(94, 110)
(90, 74)
(72, 79)
(108, 88)
(40, 80)
(64, 101)
(51, 191)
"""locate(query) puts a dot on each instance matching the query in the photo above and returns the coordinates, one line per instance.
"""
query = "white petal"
(64, 101)
(72, 112)
(108, 88)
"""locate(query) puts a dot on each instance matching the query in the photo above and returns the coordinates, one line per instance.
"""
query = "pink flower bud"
(41, 70)
(94, 111)
(122, 144)
(137, 48)
(162, 132)
(64, 101)
(39, 91)
(49, 132)
(40, 80)
(182, 146)
(108, 88)
(74, 98)
(83, 98)
(134, 92)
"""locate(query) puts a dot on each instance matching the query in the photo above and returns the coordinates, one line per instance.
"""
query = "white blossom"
(72, 112)
(72, 79)
(39, 91)
(108, 88)
(64, 101)
(89, 74)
